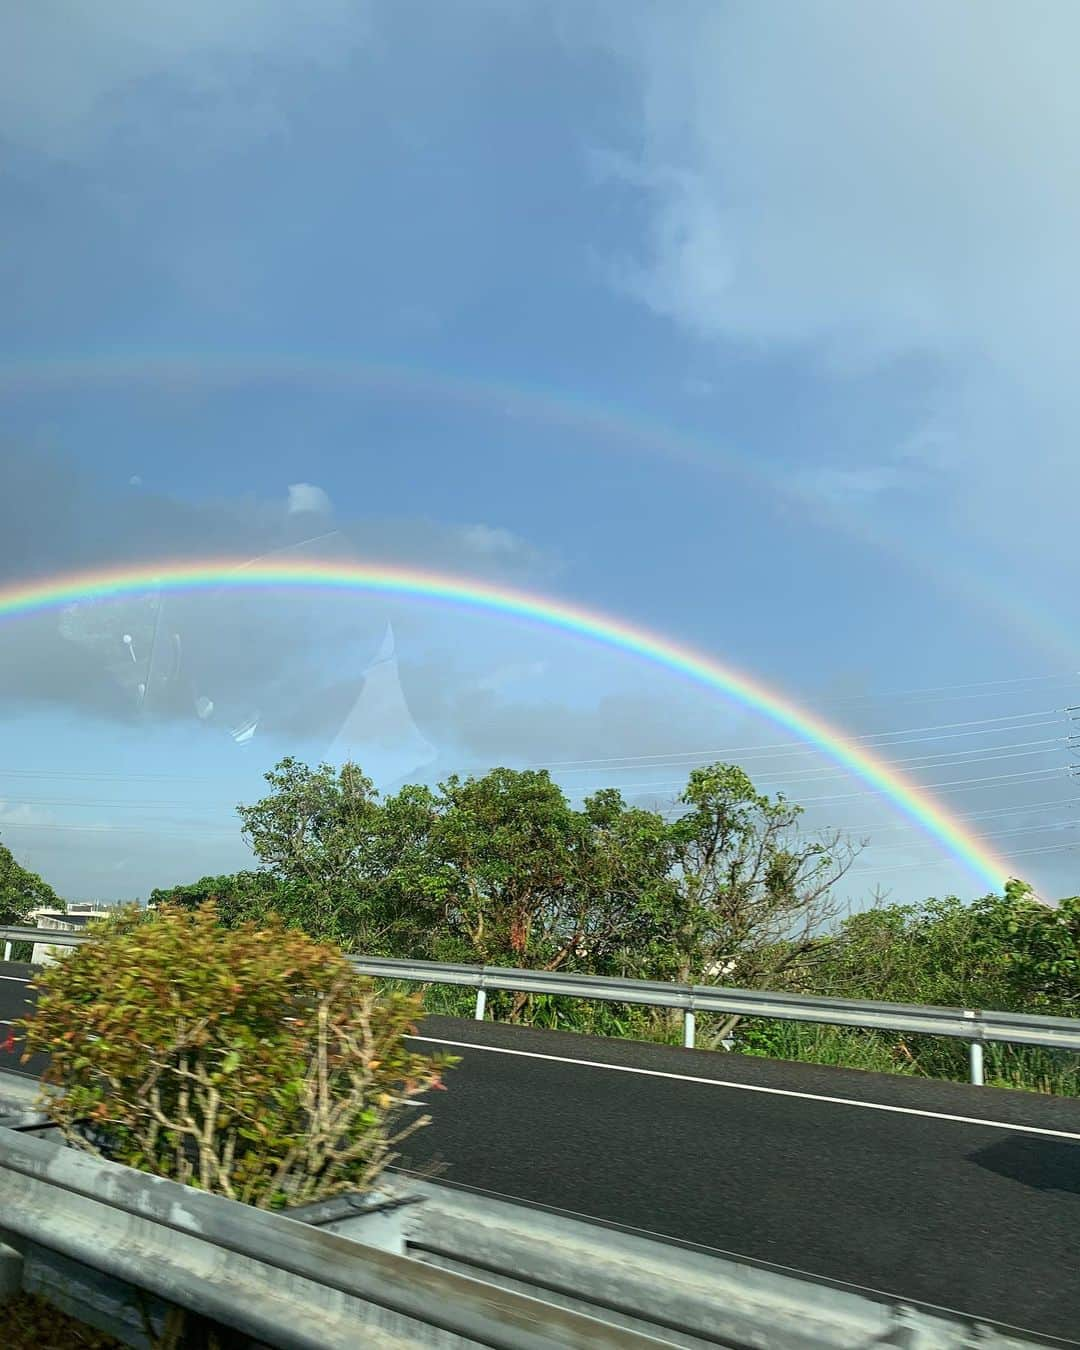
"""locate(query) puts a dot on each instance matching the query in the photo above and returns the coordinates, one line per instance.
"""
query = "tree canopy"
(22, 891)
(502, 869)
(726, 887)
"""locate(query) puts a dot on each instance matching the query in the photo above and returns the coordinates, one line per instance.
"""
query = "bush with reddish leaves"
(249, 1062)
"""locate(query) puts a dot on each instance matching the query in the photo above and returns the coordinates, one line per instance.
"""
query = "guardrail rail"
(270, 1277)
(119, 1248)
(974, 1025)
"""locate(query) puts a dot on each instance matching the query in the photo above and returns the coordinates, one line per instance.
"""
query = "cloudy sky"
(752, 325)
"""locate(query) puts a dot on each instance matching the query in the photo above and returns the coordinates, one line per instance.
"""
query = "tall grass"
(1029, 1068)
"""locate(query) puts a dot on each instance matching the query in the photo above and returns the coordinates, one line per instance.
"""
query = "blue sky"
(753, 325)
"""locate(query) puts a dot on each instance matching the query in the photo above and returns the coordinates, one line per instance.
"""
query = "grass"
(1027, 1068)
(29, 1323)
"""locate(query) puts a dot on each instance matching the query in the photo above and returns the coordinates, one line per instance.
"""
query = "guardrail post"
(481, 1003)
(975, 1051)
(689, 1023)
(7, 951)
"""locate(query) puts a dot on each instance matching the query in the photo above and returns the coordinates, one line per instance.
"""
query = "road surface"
(967, 1198)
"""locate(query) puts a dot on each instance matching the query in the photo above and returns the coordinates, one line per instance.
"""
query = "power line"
(207, 833)
(946, 760)
(701, 758)
(1052, 716)
(948, 698)
(930, 862)
(873, 830)
(823, 774)
(989, 752)
(148, 804)
(948, 688)
(975, 756)
(1020, 829)
(866, 828)
(201, 833)
(973, 815)
(912, 735)
(109, 777)
(1031, 775)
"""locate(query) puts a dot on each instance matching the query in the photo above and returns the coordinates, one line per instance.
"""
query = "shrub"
(249, 1062)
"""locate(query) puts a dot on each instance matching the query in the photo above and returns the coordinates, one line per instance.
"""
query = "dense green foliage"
(502, 870)
(250, 1062)
(22, 891)
(1007, 952)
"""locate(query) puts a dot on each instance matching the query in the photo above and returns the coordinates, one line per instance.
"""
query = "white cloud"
(848, 487)
(490, 539)
(510, 676)
(891, 174)
(308, 497)
(20, 813)
(67, 66)
(861, 183)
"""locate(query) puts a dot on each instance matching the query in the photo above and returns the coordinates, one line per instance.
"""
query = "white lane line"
(755, 1087)
(18, 979)
(741, 1087)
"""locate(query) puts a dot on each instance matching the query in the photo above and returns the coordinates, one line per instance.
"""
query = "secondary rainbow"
(391, 580)
(610, 428)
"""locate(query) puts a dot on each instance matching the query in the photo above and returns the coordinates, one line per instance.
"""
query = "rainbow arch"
(620, 428)
(913, 801)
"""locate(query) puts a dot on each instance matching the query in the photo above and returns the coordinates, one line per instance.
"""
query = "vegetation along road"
(964, 1197)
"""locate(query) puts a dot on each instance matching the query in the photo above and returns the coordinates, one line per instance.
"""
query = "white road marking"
(740, 1087)
(18, 979)
(756, 1087)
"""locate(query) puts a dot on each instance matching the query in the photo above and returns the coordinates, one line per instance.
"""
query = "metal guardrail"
(49, 937)
(117, 1248)
(687, 1295)
(967, 1024)
(270, 1277)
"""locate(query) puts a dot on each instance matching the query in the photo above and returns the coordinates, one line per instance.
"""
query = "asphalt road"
(966, 1198)
(13, 1003)
(969, 1207)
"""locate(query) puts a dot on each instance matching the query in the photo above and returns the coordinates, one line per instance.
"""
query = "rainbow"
(28, 597)
(609, 427)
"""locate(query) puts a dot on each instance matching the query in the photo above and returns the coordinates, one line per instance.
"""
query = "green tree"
(941, 951)
(753, 897)
(497, 869)
(314, 824)
(1008, 952)
(525, 879)
(501, 863)
(500, 868)
(22, 891)
(332, 854)
(237, 897)
(1042, 944)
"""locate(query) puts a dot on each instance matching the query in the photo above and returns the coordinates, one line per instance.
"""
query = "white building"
(74, 920)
